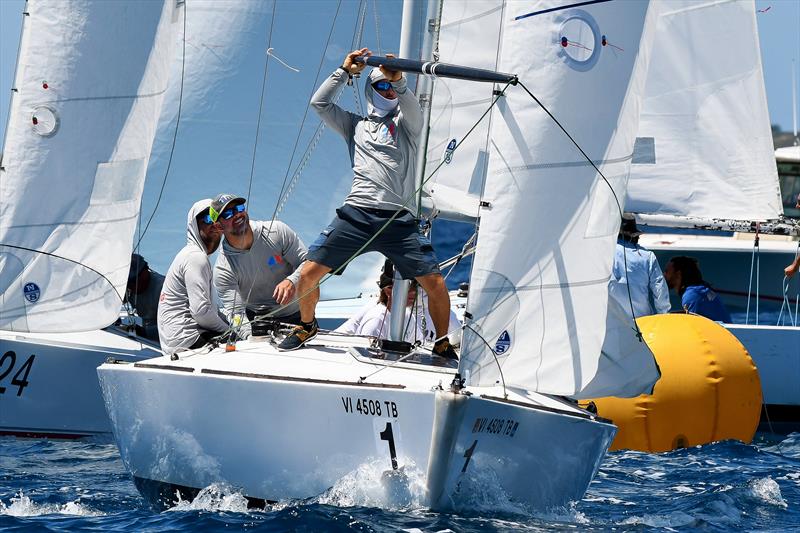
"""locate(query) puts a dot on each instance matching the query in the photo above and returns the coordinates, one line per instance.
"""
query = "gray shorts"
(401, 242)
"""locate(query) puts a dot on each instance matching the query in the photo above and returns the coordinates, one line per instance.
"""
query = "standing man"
(188, 315)
(637, 269)
(257, 271)
(382, 149)
(792, 268)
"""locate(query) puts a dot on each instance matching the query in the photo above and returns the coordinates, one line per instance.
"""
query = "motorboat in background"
(88, 90)
(539, 321)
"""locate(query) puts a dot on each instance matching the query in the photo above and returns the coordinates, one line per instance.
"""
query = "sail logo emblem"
(448, 152)
(31, 292)
(503, 343)
(275, 260)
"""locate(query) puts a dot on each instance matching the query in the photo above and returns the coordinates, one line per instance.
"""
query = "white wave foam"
(673, 519)
(372, 485)
(21, 505)
(767, 490)
(217, 497)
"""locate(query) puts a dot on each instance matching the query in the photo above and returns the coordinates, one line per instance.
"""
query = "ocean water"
(725, 486)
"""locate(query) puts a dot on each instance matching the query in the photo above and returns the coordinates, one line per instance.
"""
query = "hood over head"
(377, 105)
(192, 230)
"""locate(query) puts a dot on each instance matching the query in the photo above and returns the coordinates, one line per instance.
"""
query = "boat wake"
(21, 505)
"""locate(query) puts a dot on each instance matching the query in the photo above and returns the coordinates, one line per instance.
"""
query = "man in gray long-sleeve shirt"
(382, 148)
(257, 271)
(188, 314)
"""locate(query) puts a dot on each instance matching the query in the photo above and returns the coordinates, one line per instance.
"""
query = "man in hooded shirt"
(382, 148)
(257, 269)
(188, 314)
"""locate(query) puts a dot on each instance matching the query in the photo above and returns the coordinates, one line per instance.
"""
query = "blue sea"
(83, 486)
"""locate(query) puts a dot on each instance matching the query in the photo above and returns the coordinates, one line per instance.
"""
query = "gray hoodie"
(247, 278)
(188, 303)
(382, 148)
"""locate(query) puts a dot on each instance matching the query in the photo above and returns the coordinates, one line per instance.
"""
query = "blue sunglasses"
(228, 213)
(207, 219)
(382, 85)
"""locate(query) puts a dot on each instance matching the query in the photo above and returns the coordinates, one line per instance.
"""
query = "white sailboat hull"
(49, 383)
(289, 425)
(776, 353)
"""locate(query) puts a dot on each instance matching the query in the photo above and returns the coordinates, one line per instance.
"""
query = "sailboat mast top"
(440, 70)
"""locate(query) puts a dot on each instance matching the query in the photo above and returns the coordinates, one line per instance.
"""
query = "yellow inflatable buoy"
(709, 389)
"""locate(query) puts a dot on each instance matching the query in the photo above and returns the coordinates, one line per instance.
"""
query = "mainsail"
(704, 147)
(88, 92)
(548, 223)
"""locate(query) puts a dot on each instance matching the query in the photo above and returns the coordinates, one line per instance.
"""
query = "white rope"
(271, 53)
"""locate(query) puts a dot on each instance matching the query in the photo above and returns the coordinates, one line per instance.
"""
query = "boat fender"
(709, 389)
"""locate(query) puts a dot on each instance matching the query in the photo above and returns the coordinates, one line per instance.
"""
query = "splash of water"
(372, 485)
(217, 497)
(22, 506)
(767, 490)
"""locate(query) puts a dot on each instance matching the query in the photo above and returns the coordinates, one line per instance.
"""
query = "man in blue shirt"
(683, 274)
(636, 277)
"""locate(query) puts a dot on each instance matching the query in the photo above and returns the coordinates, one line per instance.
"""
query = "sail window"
(578, 40)
(112, 181)
(644, 151)
(44, 121)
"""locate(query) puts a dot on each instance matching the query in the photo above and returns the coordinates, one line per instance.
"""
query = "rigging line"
(305, 115)
(496, 360)
(377, 26)
(174, 135)
(394, 216)
(261, 101)
(613, 193)
(399, 209)
(121, 299)
(255, 142)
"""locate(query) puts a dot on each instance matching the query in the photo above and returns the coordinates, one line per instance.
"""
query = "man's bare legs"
(308, 289)
(438, 301)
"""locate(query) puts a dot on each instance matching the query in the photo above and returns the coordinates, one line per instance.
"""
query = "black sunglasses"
(382, 85)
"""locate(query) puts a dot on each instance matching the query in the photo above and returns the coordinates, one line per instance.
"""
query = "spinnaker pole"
(439, 70)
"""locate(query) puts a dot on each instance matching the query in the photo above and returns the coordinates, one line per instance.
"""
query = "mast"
(423, 92)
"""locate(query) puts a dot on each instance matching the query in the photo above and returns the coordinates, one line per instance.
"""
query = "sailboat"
(88, 92)
(539, 328)
(704, 159)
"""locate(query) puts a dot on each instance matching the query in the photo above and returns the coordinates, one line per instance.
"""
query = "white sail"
(538, 292)
(704, 146)
(220, 102)
(469, 35)
(89, 86)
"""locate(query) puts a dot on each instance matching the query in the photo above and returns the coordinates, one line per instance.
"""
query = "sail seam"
(565, 164)
(90, 98)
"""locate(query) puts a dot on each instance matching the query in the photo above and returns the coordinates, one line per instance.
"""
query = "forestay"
(538, 291)
(89, 86)
(704, 147)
